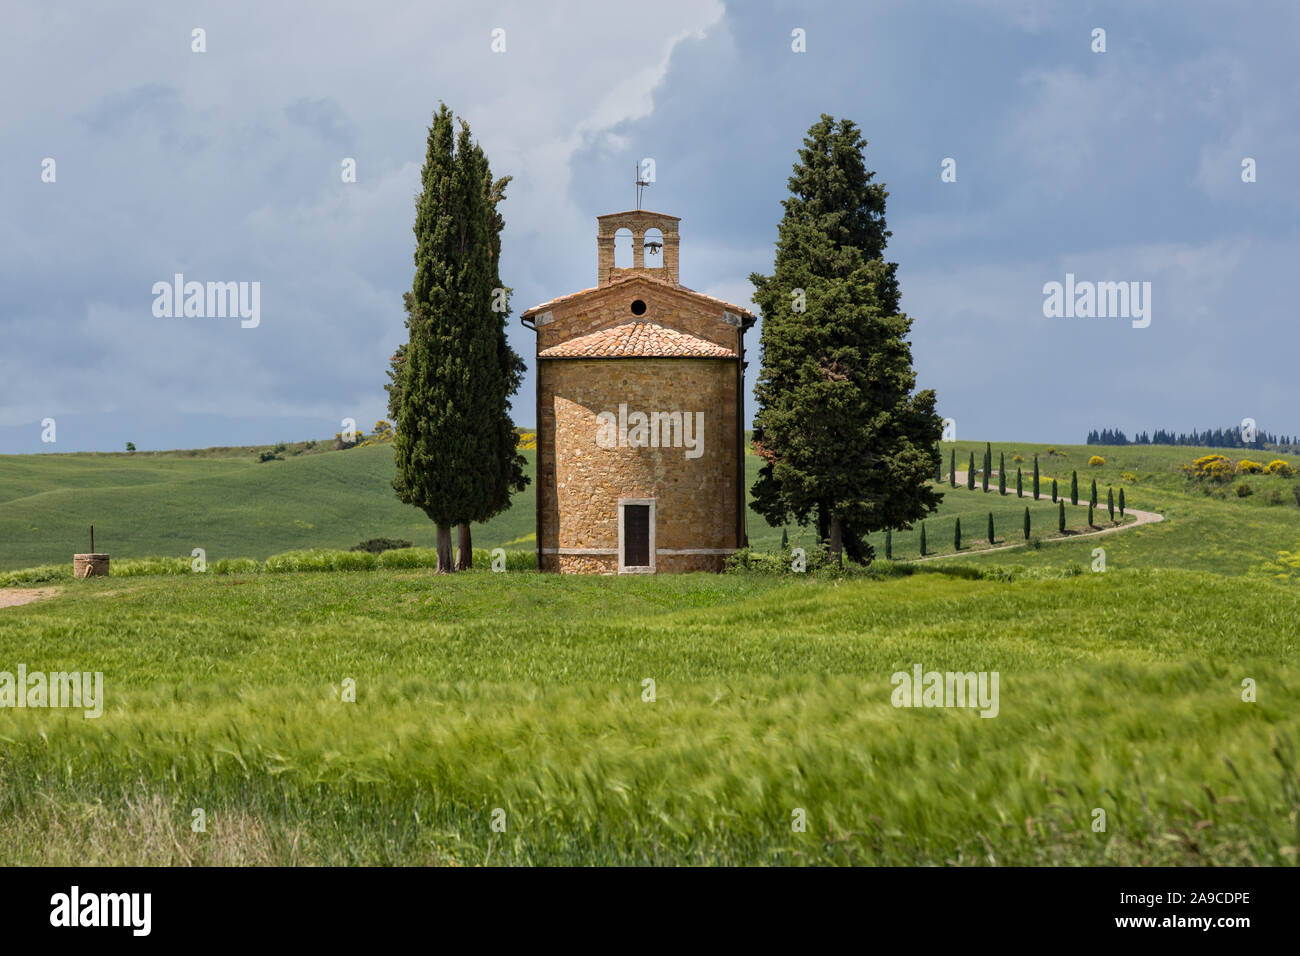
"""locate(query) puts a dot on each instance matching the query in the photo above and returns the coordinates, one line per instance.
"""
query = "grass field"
(523, 693)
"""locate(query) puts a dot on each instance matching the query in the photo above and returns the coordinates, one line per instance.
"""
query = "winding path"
(1141, 518)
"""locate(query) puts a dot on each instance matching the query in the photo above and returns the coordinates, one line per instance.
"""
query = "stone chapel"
(640, 429)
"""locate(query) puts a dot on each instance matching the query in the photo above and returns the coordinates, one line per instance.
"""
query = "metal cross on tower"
(640, 185)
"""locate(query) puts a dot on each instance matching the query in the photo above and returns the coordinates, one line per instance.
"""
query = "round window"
(638, 307)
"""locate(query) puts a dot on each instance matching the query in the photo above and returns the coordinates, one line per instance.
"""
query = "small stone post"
(91, 565)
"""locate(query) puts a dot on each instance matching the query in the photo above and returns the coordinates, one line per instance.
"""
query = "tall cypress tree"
(1020, 483)
(1002, 473)
(1035, 477)
(923, 539)
(938, 465)
(1054, 491)
(455, 446)
(990, 527)
(1092, 497)
(510, 475)
(841, 434)
(1026, 522)
(988, 464)
(1110, 503)
(956, 535)
(970, 473)
(1074, 487)
(1121, 502)
(952, 468)
(1061, 518)
(889, 544)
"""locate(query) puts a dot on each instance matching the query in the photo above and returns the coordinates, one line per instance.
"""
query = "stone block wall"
(580, 483)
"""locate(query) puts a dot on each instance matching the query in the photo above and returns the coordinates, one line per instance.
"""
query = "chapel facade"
(640, 429)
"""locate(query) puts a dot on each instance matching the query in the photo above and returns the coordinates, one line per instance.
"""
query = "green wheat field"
(523, 699)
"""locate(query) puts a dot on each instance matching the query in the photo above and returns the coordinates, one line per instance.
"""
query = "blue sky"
(224, 166)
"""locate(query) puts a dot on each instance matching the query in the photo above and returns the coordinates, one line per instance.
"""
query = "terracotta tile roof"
(633, 277)
(645, 339)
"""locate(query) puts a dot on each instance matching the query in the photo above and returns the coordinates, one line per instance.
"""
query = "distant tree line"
(1218, 438)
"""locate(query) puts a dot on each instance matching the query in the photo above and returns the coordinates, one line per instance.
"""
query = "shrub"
(527, 560)
(234, 566)
(1244, 490)
(269, 456)
(1129, 477)
(1214, 469)
(37, 575)
(137, 567)
(1248, 467)
(750, 561)
(320, 559)
(1016, 459)
(352, 561)
(1275, 497)
(409, 558)
(380, 545)
(1280, 468)
(1096, 461)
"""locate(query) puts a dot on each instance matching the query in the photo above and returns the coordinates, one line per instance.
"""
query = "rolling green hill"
(168, 503)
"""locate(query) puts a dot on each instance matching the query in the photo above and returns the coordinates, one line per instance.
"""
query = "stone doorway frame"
(622, 550)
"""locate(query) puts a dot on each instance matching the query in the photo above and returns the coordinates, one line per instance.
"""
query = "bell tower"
(638, 222)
